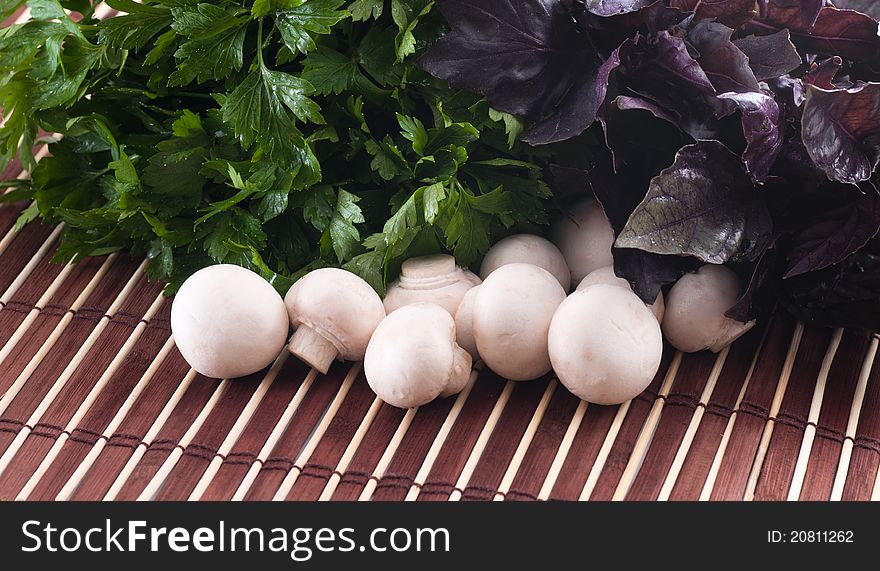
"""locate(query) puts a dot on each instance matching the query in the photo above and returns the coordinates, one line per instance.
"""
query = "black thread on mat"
(278, 463)
(316, 471)
(201, 451)
(241, 459)
(794, 421)
(438, 489)
(130, 441)
(688, 400)
(519, 494)
(754, 409)
(87, 313)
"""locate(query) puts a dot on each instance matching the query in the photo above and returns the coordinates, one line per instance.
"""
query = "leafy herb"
(280, 135)
(737, 132)
(285, 135)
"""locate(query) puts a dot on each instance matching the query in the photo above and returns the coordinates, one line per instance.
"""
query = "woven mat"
(97, 403)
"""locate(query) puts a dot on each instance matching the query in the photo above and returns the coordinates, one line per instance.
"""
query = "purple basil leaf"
(770, 56)
(619, 131)
(608, 67)
(793, 14)
(794, 165)
(841, 32)
(869, 7)
(845, 295)
(615, 7)
(725, 65)
(619, 194)
(762, 272)
(760, 123)
(704, 205)
(822, 74)
(835, 126)
(570, 182)
(672, 56)
(834, 236)
(655, 17)
(575, 113)
(524, 56)
(789, 91)
(730, 12)
(647, 273)
(626, 103)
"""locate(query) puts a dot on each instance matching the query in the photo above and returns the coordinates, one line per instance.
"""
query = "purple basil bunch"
(733, 132)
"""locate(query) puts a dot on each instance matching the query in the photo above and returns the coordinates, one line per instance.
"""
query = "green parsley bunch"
(280, 135)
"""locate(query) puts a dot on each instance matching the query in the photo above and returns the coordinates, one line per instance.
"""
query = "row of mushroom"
(438, 320)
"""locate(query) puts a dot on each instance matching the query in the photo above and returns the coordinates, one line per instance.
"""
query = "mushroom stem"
(313, 348)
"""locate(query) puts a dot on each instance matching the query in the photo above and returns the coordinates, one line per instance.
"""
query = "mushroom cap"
(464, 323)
(511, 317)
(695, 310)
(585, 238)
(528, 249)
(228, 322)
(605, 344)
(433, 278)
(413, 358)
(339, 305)
(606, 275)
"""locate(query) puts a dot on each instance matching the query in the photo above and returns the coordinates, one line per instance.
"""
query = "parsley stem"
(260, 42)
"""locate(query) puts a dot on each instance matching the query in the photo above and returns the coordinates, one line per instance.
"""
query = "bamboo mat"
(97, 403)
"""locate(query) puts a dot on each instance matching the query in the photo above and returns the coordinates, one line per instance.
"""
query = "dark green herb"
(280, 135)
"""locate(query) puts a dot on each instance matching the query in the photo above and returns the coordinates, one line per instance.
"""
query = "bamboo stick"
(151, 434)
(442, 434)
(350, 450)
(562, 452)
(29, 267)
(693, 426)
(709, 484)
(65, 375)
(240, 424)
(11, 233)
(388, 455)
(90, 400)
(525, 442)
(159, 477)
(604, 451)
(800, 470)
(643, 442)
(306, 453)
(34, 312)
(82, 469)
(480, 444)
(853, 422)
(275, 436)
(53, 338)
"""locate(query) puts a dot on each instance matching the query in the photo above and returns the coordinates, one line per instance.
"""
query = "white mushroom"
(511, 316)
(413, 358)
(430, 278)
(585, 239)
(607, 276)
(528, 249)
(605, 344)
(228, 322)
(464, 323)
(334, 313)
(695, 310)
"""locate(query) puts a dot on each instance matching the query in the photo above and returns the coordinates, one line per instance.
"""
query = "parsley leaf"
(297, 24)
